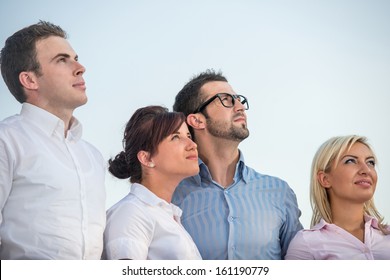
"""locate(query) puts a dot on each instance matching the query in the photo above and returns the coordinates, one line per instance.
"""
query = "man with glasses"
(230, 210)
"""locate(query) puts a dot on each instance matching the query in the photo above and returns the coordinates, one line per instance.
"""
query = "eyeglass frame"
(218, 95)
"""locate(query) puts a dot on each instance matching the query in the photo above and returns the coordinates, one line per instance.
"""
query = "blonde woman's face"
(353, 178)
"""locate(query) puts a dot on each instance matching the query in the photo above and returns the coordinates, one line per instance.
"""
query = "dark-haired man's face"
(222, 122)
(61, 86)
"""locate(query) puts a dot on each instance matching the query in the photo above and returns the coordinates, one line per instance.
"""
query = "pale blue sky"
(310, 69)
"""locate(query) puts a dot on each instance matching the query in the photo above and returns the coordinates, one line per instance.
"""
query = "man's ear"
(197, 121)
(28, 80)
(144, 159)
(323, 179)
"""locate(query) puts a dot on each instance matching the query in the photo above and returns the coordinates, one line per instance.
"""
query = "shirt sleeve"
(292, 224)
(299, 248)
(6, 174)
(128, 234)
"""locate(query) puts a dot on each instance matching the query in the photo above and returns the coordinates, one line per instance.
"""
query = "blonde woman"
(345, 223)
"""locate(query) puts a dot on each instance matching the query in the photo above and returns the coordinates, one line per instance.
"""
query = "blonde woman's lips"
(364, 183)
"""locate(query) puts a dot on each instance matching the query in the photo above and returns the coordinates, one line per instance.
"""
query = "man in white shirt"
(52, 193)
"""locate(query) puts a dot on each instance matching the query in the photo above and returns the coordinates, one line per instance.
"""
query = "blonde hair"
(330, 152)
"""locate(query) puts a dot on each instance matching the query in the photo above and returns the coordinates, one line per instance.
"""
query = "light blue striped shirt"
(254, 218)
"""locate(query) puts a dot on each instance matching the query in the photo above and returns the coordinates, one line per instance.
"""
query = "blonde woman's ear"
(323, 179)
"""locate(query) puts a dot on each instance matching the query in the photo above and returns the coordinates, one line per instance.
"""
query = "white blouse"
(143, 226)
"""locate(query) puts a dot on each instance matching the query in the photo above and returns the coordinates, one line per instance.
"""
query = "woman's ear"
(196, 121)
(144, 159)
(323, 179)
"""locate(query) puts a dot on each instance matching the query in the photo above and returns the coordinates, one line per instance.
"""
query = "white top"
(143, 226)
(52, 193)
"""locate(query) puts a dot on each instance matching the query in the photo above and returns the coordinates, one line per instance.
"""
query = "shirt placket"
(368, 241)
(231, 222)
(82, 191)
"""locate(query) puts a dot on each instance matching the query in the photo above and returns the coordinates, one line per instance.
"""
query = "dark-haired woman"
(158, 154)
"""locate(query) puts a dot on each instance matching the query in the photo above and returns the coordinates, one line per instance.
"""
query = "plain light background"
(310, 69)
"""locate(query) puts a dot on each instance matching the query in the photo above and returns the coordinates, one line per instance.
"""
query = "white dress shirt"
(52, 192)
(143, 226)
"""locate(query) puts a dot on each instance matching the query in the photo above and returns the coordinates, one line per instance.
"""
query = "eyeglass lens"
(228, 100)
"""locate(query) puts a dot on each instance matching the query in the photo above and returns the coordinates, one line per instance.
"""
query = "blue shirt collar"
(240, 173)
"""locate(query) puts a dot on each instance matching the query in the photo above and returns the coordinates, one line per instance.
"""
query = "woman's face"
(353, 178)
(177, 155)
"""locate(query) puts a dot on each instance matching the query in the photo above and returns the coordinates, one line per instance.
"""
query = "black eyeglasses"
(227, 100)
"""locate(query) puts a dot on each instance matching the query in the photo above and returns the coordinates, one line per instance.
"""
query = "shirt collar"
(49, 123)
(372, 221)
(148, 197)
(368, 220)
(241, 171)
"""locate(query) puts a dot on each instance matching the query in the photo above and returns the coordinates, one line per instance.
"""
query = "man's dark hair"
(189, 97)
(19, 54)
